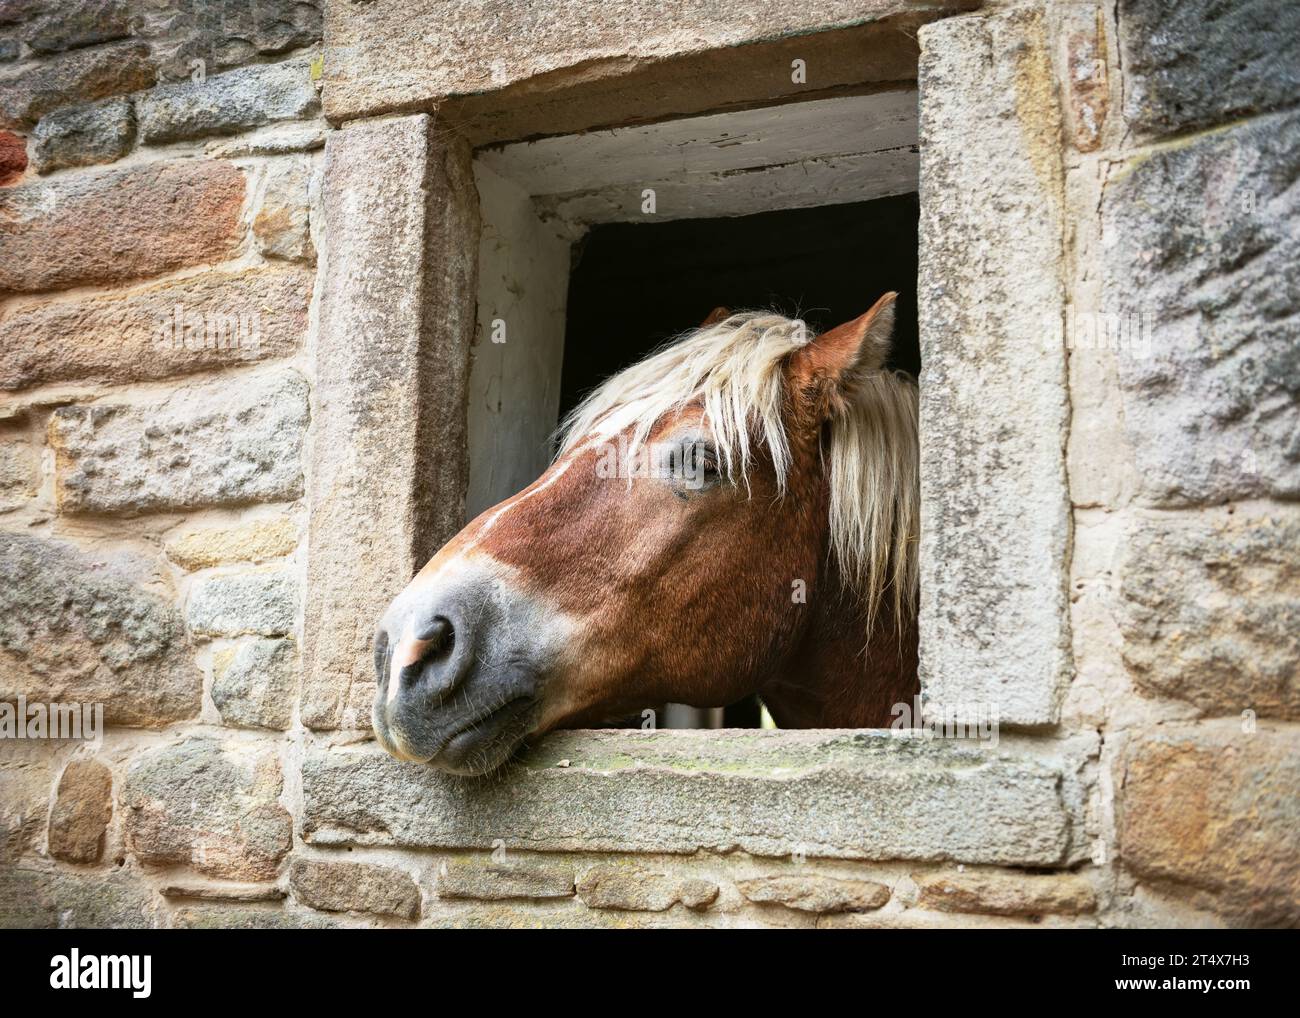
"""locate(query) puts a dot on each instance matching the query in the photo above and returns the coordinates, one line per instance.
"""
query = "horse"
(735, 514)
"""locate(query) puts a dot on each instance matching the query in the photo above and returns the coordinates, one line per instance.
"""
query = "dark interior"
(635, 286)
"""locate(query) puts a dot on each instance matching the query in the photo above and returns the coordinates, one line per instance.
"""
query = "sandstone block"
(211, 807)
(222, 443)
(119, 224)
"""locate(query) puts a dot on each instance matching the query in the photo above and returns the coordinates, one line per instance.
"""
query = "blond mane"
(735, 370)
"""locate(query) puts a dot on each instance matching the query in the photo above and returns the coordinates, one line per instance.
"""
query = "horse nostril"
(440, 637)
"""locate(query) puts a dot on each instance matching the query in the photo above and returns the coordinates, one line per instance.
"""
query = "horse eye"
(703, 459)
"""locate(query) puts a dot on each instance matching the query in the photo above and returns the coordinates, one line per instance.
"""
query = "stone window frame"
(397, 322)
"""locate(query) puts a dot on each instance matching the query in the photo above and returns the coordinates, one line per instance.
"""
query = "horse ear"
(718, 314)
(836, 357)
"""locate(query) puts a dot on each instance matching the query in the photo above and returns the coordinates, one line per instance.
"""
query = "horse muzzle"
(460, 658)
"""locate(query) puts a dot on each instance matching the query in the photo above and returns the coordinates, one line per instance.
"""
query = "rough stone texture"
(212, 917)
(1202, 62)
(38, 899)
(1202, 236)
(1087, 85)
(13, 157)
(228, 103)
(216, 319)
(272, 141)
(82, 809)
(354, 887)
(55, 27)
(118, 224)
(380, 57)
(70, 78)
(227, 33)
(1213, 807)
(212, 807)
(255, 541)
(18, 470)
(859, 796)
(389, 458)
(83, 135)
(224, 892)
(281, 225)
(995, 523)
(1006, 893)
(27, 772)
(502, 881)
(226, 443)
(261, 603)
(812, 893)
(637, 890)
(75, 628)
(1210, 611)
(253, 686)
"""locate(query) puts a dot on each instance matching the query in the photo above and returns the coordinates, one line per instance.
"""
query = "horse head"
(736, 513)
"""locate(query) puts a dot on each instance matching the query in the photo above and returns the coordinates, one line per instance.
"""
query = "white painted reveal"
(822, 152)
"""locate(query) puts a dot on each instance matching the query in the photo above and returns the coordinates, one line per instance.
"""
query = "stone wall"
(221, 454)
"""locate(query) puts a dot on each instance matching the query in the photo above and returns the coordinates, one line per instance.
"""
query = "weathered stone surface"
(1213, 807)
(502, 881)
(861, 796)
(212, 320)
(813, 893)
(381, 57)
(18, 469)
(71, 24)
(224, 892)
(272, 141)
(13, 157)
(919, 919)
(27, 772)
(281, 225)
(38, 899)
(215, 917)
(261, 603)
(82, 810)
(228, 103)
(1087, 88)
(76, 77)
(215, 808)
(254, 541)
(1200, 62)
(637, 890)
(253, 686)
(224, 443)
(569, 915)
(1201, 238)
(354, 887)
(995, 520)
(77, 629)
(83, 135)
(1210, 611)
(1006, 893)
(118, 224)
(227, 34)
(389, 458)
